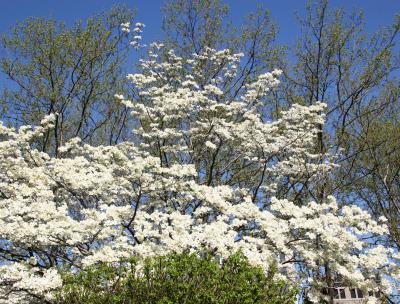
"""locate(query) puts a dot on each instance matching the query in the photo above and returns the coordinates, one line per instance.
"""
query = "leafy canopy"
(176, 278)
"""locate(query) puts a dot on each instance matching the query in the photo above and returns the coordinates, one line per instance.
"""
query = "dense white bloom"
(204, 176)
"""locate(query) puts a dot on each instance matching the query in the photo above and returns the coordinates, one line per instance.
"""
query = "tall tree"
(373, 164)
(335, 61)
(72, 71)
(192, 26)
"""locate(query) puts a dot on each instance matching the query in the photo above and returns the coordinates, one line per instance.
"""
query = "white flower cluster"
(138, 35)
(204, 176)
(125, 27)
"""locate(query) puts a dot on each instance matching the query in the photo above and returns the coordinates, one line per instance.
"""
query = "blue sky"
(377, 13)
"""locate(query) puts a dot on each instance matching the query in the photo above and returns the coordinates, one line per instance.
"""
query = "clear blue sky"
(377, 13)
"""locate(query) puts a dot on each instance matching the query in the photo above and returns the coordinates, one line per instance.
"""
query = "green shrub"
(176, 278)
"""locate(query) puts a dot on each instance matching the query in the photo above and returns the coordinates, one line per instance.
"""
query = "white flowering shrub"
(202, 175)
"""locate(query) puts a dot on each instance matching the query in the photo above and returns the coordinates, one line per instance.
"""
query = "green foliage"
(373, 177)
(176, 278)
(70, 70)
(191, 26)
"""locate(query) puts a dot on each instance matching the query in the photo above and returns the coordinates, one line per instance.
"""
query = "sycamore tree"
(201, 175)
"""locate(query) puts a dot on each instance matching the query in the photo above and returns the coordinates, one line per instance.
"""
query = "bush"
(176, 278)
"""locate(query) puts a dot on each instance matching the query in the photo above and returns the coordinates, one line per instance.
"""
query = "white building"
(345, 295)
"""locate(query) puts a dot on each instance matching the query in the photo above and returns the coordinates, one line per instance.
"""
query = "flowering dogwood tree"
(203, 174)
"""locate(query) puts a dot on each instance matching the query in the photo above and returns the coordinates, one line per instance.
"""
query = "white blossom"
(176, 189)
(125, 27)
